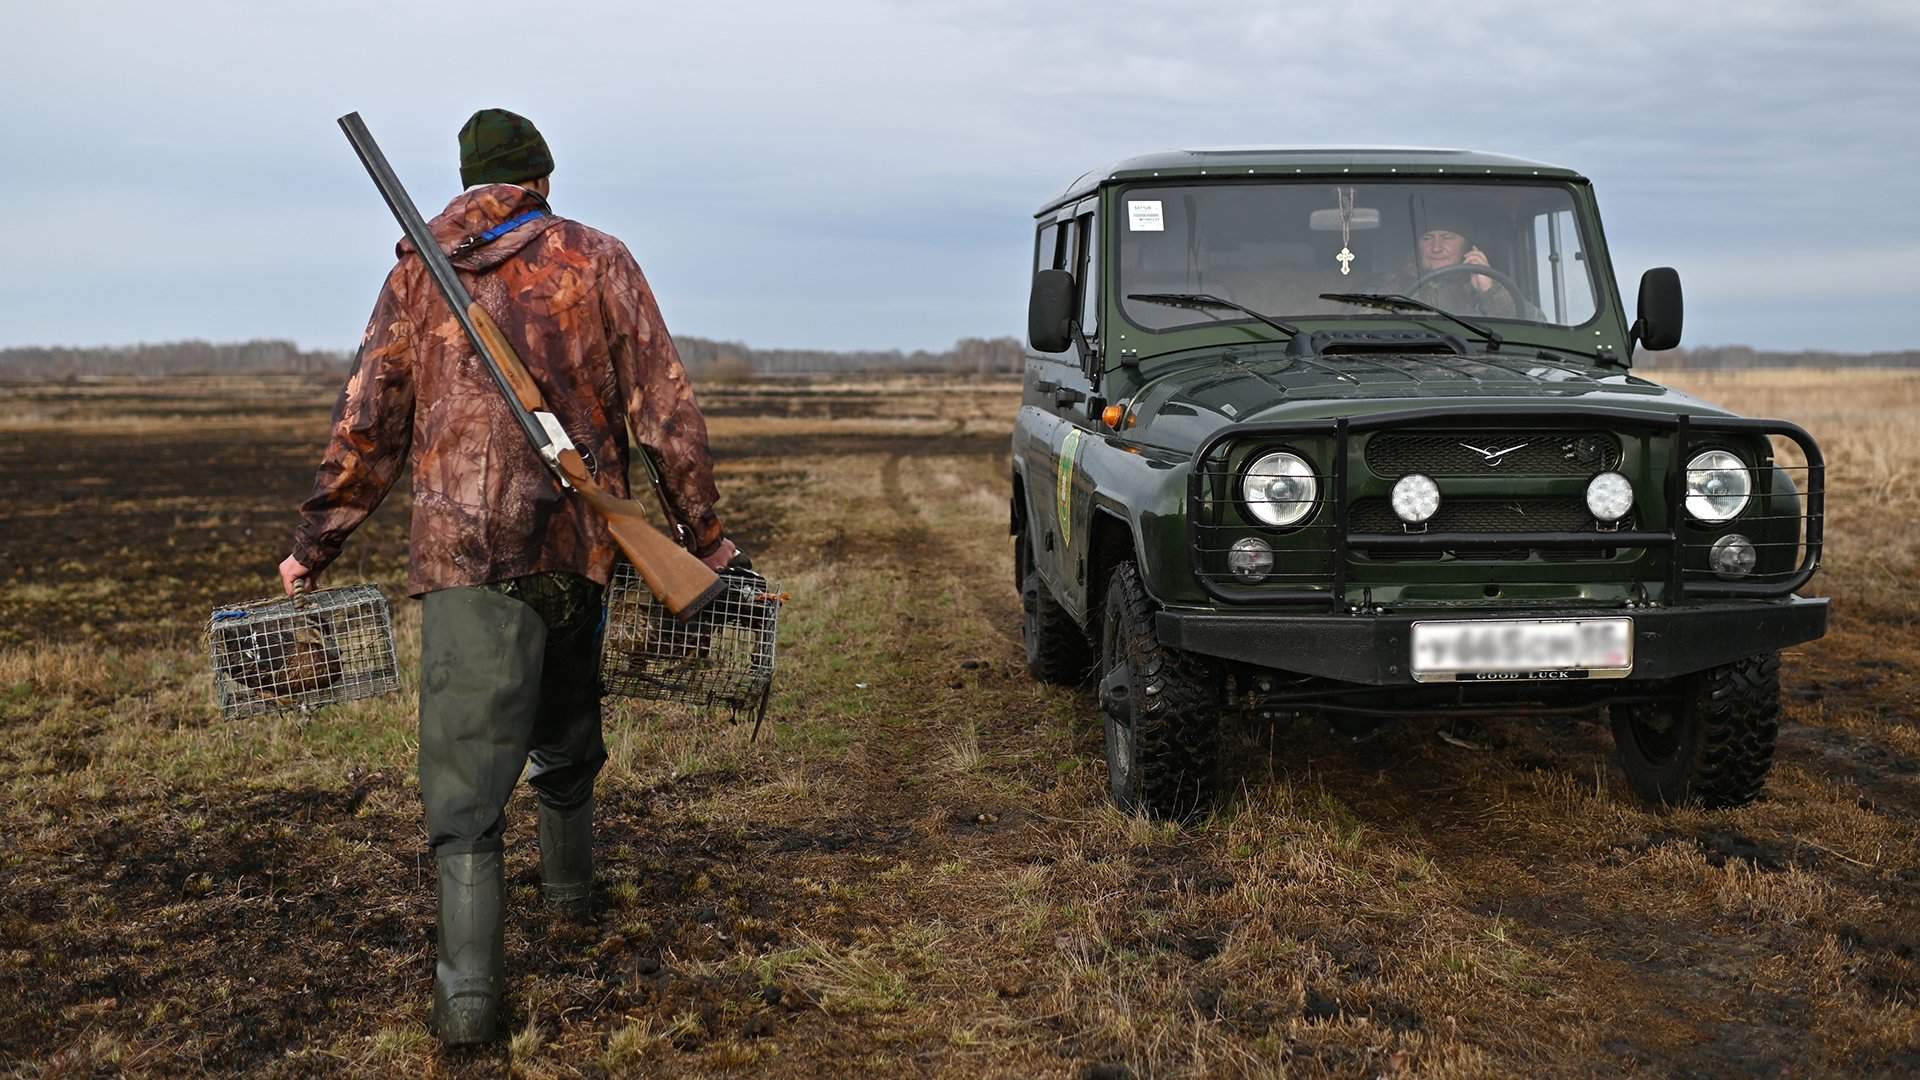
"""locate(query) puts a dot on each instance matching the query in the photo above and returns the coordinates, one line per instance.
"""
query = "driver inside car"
(1445, 241)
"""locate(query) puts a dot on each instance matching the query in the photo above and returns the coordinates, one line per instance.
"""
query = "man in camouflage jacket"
(510, 566)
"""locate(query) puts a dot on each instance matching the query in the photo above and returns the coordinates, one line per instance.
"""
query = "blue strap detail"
(507, 226)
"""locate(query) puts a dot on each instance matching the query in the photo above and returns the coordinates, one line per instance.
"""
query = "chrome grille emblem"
(1493, 457)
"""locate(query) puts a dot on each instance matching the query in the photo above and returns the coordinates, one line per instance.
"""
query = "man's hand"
(721, 556)
(1477, 257)
(292, 570)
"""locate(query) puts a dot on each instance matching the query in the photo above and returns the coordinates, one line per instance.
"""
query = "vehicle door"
(1058, 386)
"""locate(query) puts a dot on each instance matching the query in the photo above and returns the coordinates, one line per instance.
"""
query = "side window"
(1066, 241)
(1046, 251)
(1565, 279)
(1089, 275)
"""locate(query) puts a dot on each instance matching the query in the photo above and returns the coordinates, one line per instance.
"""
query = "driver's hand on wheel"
(1477, 257)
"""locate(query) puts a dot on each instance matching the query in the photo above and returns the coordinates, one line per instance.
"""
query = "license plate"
(1513, 650)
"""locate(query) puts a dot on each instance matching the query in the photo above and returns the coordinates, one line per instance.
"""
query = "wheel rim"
(1029, 623)
(1116, 705)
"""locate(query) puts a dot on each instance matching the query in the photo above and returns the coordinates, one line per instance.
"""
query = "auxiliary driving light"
(1717, 487)
(1415, 498)
(1250, 559)
(1609, 496)
(1280, 489)
(1732, 556)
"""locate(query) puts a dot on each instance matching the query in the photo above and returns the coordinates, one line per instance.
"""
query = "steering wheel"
(1524, 308)
(1512, 287)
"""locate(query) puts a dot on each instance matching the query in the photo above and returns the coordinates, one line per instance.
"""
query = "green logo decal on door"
(1063, 498)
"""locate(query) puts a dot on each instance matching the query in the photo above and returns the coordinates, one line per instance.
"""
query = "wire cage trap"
(299, 653)
(720, 659)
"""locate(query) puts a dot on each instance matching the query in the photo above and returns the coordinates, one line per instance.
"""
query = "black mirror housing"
(1660, 311)
(1050, 311)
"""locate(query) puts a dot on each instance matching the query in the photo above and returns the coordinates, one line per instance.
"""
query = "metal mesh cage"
(302, 652)
(721, 659)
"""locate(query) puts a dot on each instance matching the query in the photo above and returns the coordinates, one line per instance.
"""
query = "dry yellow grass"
(915, 869)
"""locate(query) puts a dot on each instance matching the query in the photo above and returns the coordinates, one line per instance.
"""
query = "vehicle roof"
(1275, 161)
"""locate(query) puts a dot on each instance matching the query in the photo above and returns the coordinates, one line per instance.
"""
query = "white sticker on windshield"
(1144, 216)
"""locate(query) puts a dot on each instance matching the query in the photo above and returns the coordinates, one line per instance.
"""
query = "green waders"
(508, 676)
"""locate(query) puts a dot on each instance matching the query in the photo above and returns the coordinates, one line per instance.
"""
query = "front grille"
(1330, 561)
(1445, 453)
(1491, 516)
(1533, 514)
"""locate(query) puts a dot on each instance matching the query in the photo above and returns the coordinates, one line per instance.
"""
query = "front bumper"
(1374, 649)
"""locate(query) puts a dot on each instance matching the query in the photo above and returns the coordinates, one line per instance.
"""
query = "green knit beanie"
(499, 147)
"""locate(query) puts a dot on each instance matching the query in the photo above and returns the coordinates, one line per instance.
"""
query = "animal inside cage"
(722, 658)
(312, 649)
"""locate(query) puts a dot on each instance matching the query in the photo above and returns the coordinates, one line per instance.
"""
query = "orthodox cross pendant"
(1346, 256)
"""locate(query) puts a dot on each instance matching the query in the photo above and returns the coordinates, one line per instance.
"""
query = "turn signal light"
(1112, 414)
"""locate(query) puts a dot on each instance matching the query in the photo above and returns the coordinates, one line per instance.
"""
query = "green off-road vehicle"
(1354, 433)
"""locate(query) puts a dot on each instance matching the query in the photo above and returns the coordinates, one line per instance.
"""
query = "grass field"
(914, 870)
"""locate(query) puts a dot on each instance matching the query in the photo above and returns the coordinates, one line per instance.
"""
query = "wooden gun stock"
(681, 581)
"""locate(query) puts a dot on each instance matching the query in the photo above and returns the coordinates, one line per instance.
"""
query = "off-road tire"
(1717, 743)
(1162, 713)
(1057, 652)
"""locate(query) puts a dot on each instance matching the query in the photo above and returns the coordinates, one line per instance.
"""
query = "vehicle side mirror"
(1656, 323)
(1050, 311)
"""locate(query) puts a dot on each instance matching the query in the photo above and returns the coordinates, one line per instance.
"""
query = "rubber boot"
(471, 971)
(566, 858)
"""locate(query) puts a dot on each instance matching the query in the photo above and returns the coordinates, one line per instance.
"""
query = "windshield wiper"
(1208, 300)
(1397, 302)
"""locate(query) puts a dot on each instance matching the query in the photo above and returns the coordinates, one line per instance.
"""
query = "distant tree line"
(1738, 357)
(170, 358)
(706, 358)
(969, 356)
(729, 360)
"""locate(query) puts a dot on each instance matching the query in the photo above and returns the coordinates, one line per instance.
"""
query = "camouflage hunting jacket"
(576, 306)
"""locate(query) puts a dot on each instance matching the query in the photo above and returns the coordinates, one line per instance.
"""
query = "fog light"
(1609, 496)
(1415, 498)
(1250, 559)
(1732, 556)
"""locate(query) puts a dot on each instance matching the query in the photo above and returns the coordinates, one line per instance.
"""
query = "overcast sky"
(863, 174)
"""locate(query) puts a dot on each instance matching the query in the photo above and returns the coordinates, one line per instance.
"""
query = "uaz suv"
(1356, 434)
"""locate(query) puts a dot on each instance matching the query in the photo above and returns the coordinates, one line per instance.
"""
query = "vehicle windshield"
(1275, 247)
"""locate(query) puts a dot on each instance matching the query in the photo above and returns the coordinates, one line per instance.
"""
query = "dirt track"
(914, 871)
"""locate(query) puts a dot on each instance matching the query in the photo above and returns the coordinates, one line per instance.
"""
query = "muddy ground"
(913, 870)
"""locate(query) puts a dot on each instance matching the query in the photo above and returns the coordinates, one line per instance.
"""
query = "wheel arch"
(1017, 522)
(1110, 542)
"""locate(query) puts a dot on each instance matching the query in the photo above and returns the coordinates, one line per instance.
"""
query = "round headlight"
(1717, 487)
(1280, 489)
(1732, 556)
(1609, 496)
(1250, 559)
(1415, 498)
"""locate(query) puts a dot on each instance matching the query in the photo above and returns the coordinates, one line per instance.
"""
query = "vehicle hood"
(1179, 407)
